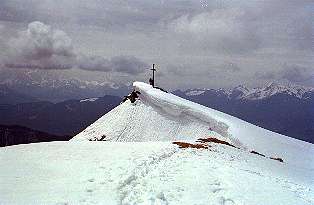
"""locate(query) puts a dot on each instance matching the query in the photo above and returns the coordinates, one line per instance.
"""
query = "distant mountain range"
(10, 96)
(65, 90)
(241, 92)
(288, 110)
(65, 118)
(20, 87)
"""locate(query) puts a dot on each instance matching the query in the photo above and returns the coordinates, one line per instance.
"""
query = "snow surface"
(147, 173)
(138, 164)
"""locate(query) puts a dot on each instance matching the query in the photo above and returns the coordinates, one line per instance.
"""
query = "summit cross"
(153, 80)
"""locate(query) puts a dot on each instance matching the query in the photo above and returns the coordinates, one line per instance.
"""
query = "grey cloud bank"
(213, 43)
(42, 47)
(123, 64)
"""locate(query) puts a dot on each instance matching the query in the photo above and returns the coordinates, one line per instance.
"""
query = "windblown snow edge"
(176, 106)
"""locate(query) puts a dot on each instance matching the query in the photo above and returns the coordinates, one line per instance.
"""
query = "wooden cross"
(154, 70)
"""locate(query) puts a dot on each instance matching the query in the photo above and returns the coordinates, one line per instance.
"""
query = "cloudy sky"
(207, 43)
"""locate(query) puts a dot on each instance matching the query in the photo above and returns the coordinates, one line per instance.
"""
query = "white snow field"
(138, 164)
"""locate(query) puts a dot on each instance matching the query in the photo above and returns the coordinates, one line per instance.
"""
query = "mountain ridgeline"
(39, 85)
(65, 118)
(15, 134)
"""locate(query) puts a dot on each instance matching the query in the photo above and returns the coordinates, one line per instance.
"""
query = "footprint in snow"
(159, 199)
(226, 201)
(91, 180)
(217, 190)
(89, 190)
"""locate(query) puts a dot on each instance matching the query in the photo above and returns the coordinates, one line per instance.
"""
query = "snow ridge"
(160, 116)
(178, 107)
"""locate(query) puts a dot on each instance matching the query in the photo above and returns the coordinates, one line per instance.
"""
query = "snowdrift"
(160, 116)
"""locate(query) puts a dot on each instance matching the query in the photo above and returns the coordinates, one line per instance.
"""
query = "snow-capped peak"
(244, 93)
(272, 89)
(238, 92)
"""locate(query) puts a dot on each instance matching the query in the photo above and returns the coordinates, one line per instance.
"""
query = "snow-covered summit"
(160, 116)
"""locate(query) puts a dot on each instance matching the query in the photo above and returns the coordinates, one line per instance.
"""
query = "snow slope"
(157, 173)
(160, 116)
(138, 164)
